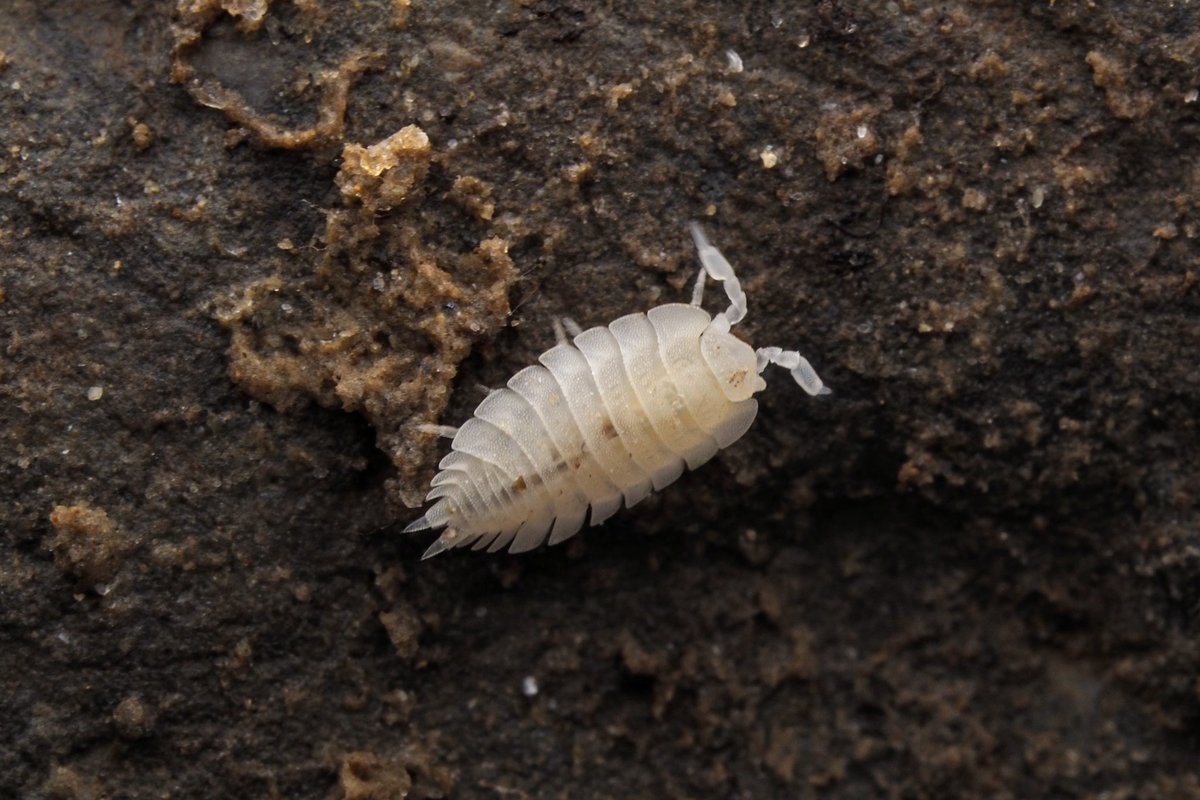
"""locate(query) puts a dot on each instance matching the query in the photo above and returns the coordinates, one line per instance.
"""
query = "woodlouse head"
(732, 361)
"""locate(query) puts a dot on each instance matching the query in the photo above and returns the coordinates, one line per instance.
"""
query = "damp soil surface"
(249, 247)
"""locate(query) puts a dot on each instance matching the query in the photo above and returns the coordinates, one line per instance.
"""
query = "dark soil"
(233, 280)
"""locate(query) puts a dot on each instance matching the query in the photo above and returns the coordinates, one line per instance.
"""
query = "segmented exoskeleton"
(610, 416)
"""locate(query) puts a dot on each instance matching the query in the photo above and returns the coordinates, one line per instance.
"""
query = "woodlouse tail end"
(420, 524)
(439, 544)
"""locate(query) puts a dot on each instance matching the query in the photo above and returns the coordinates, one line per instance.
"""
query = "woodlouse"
(611, 416)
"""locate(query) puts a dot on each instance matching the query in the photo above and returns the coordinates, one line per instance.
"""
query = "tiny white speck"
(1192, 96)
(861, 131)
(95, 393)
(529, 686)
(735, 61)
(1039, 197)
(803, 41)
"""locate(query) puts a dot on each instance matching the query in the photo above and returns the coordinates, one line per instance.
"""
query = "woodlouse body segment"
(605, 419)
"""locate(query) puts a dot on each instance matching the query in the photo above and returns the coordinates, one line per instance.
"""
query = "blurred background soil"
(246, 246)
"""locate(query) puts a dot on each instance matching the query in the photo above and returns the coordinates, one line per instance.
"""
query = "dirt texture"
(247, 247)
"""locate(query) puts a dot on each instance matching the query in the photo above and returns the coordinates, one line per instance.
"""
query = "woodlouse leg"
(802, 372)
(721, 271)
(698, 289)
(564, 327)
(446, 431)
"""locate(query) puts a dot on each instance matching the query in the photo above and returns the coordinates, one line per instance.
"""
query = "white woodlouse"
(613, 415)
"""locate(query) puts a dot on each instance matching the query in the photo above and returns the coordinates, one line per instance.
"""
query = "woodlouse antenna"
(802, 372)
(721, 271)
